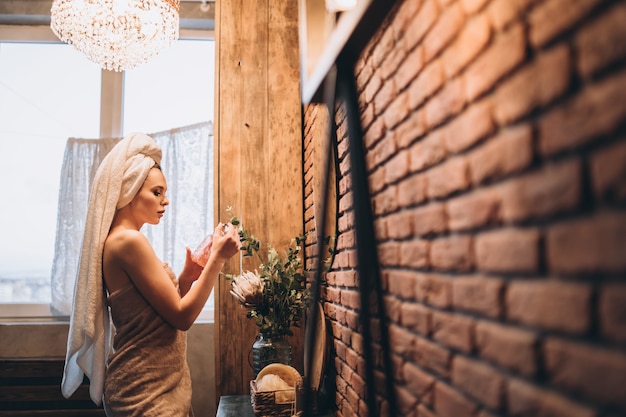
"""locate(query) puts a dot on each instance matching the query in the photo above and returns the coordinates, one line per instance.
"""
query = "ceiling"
(194, 14)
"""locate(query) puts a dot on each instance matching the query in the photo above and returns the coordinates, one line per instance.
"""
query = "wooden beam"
(258, 135)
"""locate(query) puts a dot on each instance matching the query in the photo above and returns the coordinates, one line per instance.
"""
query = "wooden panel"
(32, 387)
(258, 154)
(229, 324)
(285, 193)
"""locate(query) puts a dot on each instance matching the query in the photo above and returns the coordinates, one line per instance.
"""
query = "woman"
(147, 373)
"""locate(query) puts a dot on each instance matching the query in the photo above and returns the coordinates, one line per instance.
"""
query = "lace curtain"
(187, 164)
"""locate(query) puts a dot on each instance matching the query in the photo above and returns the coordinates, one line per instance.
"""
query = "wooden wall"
(259, 155)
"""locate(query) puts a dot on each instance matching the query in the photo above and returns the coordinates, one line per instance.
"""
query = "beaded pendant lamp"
(116, 34)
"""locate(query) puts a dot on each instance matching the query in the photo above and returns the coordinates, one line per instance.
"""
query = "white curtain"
(187, 164)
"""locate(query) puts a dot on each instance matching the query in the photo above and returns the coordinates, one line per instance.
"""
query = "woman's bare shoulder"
(125, 242)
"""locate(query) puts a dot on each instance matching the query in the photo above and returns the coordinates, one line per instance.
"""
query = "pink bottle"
(201, 253)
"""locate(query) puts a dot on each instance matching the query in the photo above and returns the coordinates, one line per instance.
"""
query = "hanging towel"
(119, 177)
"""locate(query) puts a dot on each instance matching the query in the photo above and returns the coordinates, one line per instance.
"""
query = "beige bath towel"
(118, 179)
(147, 375)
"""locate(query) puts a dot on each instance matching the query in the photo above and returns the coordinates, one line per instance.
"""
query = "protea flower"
(247, 288)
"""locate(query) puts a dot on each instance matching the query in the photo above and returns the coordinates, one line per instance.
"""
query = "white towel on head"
(119, 177)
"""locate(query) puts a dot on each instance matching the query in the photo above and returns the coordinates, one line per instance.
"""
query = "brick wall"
(495, 142)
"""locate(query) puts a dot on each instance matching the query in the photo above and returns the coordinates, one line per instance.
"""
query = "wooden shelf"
(325, 36)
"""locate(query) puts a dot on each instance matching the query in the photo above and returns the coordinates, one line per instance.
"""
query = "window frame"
(111, 125)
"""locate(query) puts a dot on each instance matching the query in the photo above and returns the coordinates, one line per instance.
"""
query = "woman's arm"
(190, 273)
(137, 258)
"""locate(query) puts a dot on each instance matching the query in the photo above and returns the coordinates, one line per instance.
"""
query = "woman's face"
(148, 206)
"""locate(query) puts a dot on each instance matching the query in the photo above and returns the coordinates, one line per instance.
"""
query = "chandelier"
(116, 34)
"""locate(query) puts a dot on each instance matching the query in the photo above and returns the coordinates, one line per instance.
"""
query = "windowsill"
(31, 313)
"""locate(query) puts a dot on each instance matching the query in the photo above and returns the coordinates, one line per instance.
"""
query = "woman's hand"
(191, 267)
(226, 242)
(190, 273)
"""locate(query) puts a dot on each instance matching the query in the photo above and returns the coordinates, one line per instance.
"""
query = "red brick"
(410, 67)
(554, 305)
(528, 400)
(473, 6)
(428, 220)
(435, 290)
(474, 124)
(608, 171)
(398, 224)
(596, 373)
(420, 383)
(405, 401)
(428, 151)
(376, 183)
(453, 330)
(509, 250)
(397, 110)
(346, 278)
(452, 253)
(596, 111)
(424, 411)
(451, 176)
(352, 320)
(393, 306)
(508, 347)
(505, 53)
(405, 14)
(384, 96)
(503, 12)
(383, 46)
(380, 150)
(476, 209)
(350, 298)
(432, 356)
(478, 294)
(412, 190)
(480, 381)
(414, 254)
(534, 86)
(346, 240)
(509, 152)
(612, 312)
(386, 201)
(401, 341)
(402, 284)
(446, 103)
(390, 64)
(445, 29)
(374, 84)
(553, 17)
(410, 129)
(600, 43)
(425, 19)
(343, 259)
(470, 42)
(427, 83)
(451, 403)
(416, 317)
(555, 188)
(397, 167)
(588, 245)
(367, 117)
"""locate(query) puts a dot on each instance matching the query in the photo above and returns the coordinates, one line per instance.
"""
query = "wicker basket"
(281, 403)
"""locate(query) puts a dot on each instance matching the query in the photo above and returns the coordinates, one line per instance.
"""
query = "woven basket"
(280, 403)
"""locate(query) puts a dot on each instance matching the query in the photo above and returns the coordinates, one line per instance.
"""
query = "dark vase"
(269, 349)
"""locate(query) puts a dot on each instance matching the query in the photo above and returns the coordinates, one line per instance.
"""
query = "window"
(49, 92)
